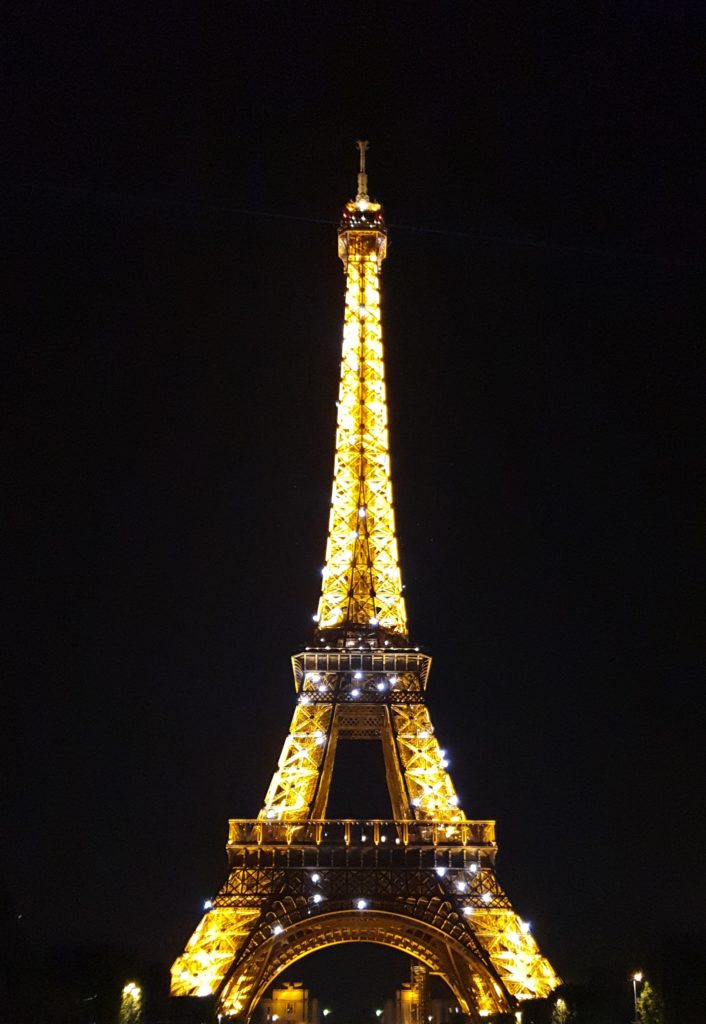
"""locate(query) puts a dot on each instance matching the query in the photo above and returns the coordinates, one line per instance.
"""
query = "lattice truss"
(361, 583)
(431, 791)
(422, 762)
(294, 783)
(513, 952)
(211, 950)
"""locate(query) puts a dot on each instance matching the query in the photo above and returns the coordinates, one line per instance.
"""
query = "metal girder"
(423, 764)
(294, 783)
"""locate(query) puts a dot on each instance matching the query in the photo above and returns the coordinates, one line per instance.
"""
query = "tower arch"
(472, 982)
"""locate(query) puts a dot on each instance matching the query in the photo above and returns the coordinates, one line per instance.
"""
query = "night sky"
(172, 179)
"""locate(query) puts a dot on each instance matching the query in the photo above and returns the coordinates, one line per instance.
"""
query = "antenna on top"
(362, 145)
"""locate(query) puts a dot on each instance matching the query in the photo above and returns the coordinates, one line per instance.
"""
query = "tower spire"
(361, 593)
(362, 145)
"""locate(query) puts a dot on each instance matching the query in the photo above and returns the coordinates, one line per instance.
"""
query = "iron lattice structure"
(424, 881)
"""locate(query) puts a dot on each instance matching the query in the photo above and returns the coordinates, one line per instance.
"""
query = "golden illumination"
(429, 785)
(294, 783)
(361, 591)
(423, 881)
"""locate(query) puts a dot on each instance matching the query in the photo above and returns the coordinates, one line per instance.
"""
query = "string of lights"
(88, 194)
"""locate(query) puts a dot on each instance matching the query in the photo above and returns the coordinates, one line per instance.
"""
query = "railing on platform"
(359, 832)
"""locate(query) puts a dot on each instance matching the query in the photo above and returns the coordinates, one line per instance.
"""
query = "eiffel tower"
(424, 881)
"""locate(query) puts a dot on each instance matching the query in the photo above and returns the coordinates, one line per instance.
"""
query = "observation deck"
(409, 833)
(395, 667)
(357, 842)
(343, 858)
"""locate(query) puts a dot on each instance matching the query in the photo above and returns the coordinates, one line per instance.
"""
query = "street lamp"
(131, 1003)
(636, 978)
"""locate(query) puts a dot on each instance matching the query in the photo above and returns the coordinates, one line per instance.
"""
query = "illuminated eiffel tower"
(424, 881)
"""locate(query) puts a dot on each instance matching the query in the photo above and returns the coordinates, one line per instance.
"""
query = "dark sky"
(171, 181)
